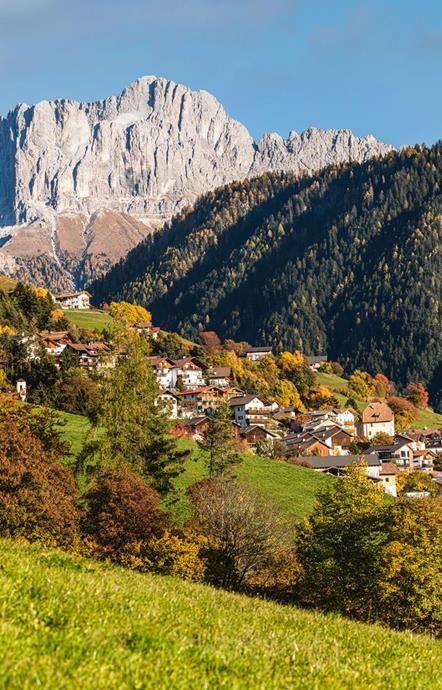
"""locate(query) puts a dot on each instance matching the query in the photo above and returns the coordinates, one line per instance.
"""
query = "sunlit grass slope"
(67, 623)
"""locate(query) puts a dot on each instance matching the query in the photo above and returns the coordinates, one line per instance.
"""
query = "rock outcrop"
(81, 183)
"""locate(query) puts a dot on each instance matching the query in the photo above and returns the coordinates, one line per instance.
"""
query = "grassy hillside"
(7, 283)
(290, 487)
(74, 428)
(426, 418)
(88, 318)
(70, 623)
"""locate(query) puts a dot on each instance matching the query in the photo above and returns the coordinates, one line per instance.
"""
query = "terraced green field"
(68, 623)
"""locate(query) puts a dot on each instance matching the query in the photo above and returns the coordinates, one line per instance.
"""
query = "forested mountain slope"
(347, 262)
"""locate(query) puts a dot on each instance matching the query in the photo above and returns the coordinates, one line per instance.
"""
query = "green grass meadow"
(91, 319)
(69, 623)
(291, 488)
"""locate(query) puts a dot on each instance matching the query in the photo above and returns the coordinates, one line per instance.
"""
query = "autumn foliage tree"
(243, 531)
(404, 412)
(360, 385)
(121, 511)
(410, 582)
(38, 495)
(417, 394)
(340, 546)
(129, 313)
(382, 385)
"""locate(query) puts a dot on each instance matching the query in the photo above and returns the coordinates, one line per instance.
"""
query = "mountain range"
(83, 183)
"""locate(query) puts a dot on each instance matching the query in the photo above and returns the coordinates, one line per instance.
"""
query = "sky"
(374, 67)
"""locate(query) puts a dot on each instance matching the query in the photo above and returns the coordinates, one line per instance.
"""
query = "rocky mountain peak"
(145, 153)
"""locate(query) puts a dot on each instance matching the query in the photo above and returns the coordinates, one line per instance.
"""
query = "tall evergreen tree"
(132, 427)
(219, 443)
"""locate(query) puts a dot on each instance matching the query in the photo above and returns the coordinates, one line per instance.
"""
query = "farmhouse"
(401, 452)
(315, 361)
(336, 439)
(147, 328)
(54, 342)
(254, 354)
(170, 402)
(92, 355)
(305, 444)
(189, 372)
(387, 476)
(74, 300)
(338, 464)
(165, 371)
(219, 376)
(377, 417)
(252, 409)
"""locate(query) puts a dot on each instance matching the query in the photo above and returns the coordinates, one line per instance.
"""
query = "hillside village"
(326, 437)
(224, 463)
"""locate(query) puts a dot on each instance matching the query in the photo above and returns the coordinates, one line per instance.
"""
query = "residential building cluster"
(323, 440)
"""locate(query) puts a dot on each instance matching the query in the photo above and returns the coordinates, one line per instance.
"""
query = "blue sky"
(373, 67)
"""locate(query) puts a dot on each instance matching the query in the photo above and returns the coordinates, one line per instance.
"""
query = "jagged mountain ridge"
(140, 157)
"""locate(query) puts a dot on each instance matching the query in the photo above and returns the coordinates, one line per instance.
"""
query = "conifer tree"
(132, 426)
(219, 443)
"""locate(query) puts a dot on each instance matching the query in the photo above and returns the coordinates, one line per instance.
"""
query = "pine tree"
(132, 428)
(219, 443)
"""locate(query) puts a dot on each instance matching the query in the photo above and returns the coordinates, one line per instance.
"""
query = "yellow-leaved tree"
(129, 313)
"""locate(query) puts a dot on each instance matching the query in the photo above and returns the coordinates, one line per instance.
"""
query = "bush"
(177, 554)
(38, 495)
(122, 511)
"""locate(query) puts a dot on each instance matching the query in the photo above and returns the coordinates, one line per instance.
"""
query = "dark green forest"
(346, 263)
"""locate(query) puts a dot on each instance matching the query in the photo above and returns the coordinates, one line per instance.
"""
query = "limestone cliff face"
(135, 159)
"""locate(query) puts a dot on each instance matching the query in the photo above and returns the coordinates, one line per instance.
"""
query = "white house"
(165, 371)
(315, 361)
(170, 402)
(191, 374)
(219, 376)
(320, 420)
(376, 418)
(54, 342)
(147, 328)
(346, 420)
(74, 300)
(401, 452)
(252, 409)
(21, 389)
(254, 354)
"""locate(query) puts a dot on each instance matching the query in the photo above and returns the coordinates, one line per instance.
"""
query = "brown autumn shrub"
(122, 513)
(278, 576)
(38, 495)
